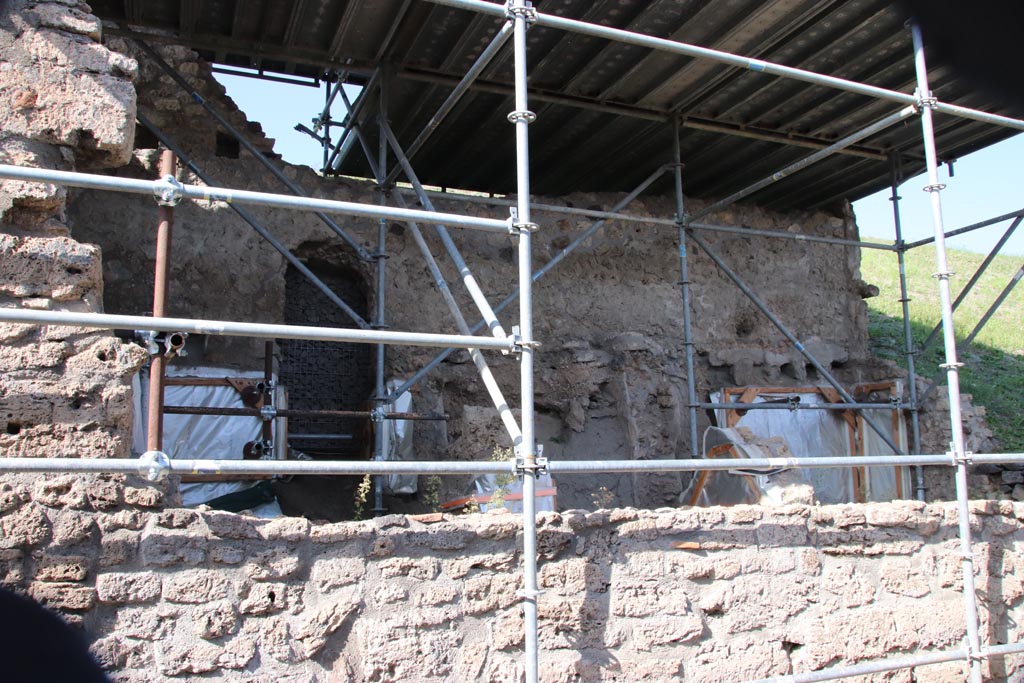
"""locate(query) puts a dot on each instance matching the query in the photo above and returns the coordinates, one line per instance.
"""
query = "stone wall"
(67, 104)
(611, 378)
(715, 595)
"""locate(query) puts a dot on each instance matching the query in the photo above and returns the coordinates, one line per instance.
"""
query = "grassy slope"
(994, 364)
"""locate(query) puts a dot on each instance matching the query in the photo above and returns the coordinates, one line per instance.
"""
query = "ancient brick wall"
(715, 595)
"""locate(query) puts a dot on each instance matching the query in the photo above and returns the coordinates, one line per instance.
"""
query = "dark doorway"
(325, 376)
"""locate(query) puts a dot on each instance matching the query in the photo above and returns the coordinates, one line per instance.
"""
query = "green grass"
(993, 369)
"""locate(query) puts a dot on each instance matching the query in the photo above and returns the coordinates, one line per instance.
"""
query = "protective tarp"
(200, 437)
(398, 441)
(817, 433)
(735, 487)
(886, 483)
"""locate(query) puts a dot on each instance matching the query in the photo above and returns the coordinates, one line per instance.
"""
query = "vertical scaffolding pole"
(934, 188)
(380, 390)
(155, 417)
(520, 12)
(908, 337)
(684, 283)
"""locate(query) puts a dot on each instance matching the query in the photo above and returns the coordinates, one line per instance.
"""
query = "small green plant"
(472, 507)
(431, 492)
(362, 491)
(502, 480)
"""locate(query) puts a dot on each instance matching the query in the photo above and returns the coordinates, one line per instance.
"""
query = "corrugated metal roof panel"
(730, 115)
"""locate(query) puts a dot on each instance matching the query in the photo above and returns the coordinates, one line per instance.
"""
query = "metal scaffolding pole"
(968, 228)
(481, 63)
(346, 141)
(470, 283)
(908, 337)
(563, 467)
(257, 226)
(278, 201)
(165, 228)
(653, 220)
(810, 159)
(788, 334)
(249, 147)
(934, 188)
(786, 405)
(380, 394)
(521, 12)
(768, 68)
(684, 283)
(486, 376)
(974, 279)
(105, 321)
(1014, 279)
(537, 275)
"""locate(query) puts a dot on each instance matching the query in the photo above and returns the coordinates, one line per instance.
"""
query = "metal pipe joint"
(168, 191)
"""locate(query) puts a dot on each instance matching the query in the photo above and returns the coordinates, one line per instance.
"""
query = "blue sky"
(985, 184)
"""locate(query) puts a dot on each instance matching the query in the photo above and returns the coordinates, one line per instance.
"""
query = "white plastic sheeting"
(398, 441)
(811, 433)
(202, 437)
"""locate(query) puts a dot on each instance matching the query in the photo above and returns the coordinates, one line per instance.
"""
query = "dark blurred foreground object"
(980, 41)
(36, 646)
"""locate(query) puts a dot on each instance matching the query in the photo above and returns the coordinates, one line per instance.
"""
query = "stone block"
(215, 620)
(63, 596)
(167, 549)
(230, 525)
(423, 568)
(317, 625)
(119, 547)
(274, 564)
(285, 529)
(24, 527)
(262, 598)
(664, 630)
(331, 572)
(62, 568)
(128, 587)
(196, 586)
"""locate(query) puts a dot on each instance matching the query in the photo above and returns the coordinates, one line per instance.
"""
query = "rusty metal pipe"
(165, 225)
(293, 412)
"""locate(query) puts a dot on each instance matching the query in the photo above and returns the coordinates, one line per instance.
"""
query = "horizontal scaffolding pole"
(644, 113)
(260, 229)
(250, 467)
(295, 412)
(968, 228)
(249, 147)
(893, 664)
(277, 201)
(786, 405)
(653, 220)
(807, 161)
(350, 467)
(263, 330)
(768, 68)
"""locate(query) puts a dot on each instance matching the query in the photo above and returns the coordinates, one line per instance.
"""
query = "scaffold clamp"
(961, 459)
(168, 191)
(518, 227)
(378, 414)
(539, 465)
(154, 465)
(526, 10)
(520, 115)
(268, 413)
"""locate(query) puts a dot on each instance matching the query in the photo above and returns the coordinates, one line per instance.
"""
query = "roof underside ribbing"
(602, 106)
